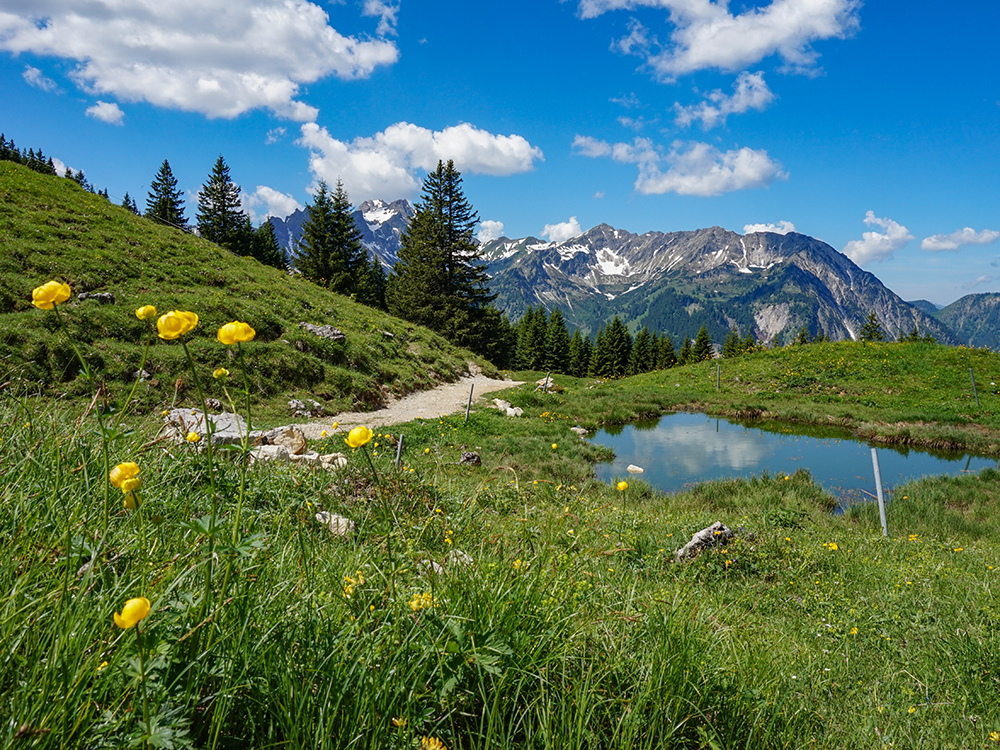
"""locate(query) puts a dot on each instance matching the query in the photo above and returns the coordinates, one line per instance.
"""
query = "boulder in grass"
(290, 437)
(470, 458)
(326, 332)
(711, 536)
(338, 525)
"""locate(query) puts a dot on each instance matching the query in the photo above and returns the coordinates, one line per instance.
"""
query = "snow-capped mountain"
(766, 283)
(380, 224)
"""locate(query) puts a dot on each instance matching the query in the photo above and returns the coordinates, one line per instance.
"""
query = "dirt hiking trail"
(446, 398)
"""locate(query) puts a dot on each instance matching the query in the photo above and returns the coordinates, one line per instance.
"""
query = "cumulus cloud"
(385, 12)
(216, 57)
(489, 230)
(749, 92)
(562, 231)
(108, 112)
(35, 77)
(704, 34)
(385, 165)
(274, 135)
(266, 201)
(877, 245)
(955, 240)
(687, 168)
(782, 227)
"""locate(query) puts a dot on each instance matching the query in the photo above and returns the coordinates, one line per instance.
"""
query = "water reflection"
(682, 449)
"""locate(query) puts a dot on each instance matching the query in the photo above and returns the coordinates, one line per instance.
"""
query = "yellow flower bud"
(49, 294)
(134, 610)
(220, 373)
(193, 437)
(235, 332)
(145, 312)
(358, 436)
(131, 501)
(176, 323)
(622, 486)
(122, 473)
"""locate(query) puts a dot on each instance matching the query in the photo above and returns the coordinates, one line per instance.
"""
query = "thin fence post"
(399, 449)
(718, 375)
(881, 497)
(545, 386)
(974, 391)
(469, 405)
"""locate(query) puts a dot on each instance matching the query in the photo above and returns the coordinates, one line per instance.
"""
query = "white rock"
(633, 469)
(309, 457)
(515, 411)
(333, 461)
(265, 453)
(458, 558)
(338, 525)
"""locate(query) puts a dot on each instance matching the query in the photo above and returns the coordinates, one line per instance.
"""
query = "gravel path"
(447, 398)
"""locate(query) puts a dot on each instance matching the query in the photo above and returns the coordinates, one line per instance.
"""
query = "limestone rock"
(633, 469)
(710, 536)
(338, 525)
(548, 385)
(227, 428)
(581, 431)
(306, 408)
(470, 458)
(306, 457)
(265, 453)
(105, 298)
(290, 437)
(326, 332)
(332, 461)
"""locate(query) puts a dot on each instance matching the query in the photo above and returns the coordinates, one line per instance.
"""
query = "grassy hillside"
(52, 229)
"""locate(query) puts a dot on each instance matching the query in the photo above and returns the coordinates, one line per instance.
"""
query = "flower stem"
(142, 684)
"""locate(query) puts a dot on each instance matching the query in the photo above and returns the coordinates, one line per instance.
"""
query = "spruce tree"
(666, 358)
(220, 215)
(129, 204)
(577, 362)
(643, 356)
(872, 329)
(599, 366)
(440, 280)
(702, 348)
(557, 343)
(265, 248)
(731, 346)
(164, 202)
(370, 281)
(684, 355)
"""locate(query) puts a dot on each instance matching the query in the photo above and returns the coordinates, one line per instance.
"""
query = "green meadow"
(514, 604)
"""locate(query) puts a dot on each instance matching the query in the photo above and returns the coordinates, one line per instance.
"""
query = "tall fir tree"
(265, 248)
(701, 350)
(731, 346)
(440, 280)
(164, 202)
(666, 356)
(129, 203)
(330, 252)
(220, 215)
(579, 355)
(619, 343)
(556, 343)
(599, 365)
(643, 355)
(370, 281)
(531, 330)
(872, 329)
(684, 355)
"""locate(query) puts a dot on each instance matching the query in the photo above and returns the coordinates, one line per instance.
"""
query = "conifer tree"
(802, 337)
(599, 366)
(872, 329)
(666, 358)
(643, 356)
(220, 215)
(702, 348)
(556, 343)
(619, 344)
(264, 245)
(440, 280)
(370, 282)
(684, 355)
(164, 202)
(731, 346)
(578, 358)
(129, 204)
(531, 331)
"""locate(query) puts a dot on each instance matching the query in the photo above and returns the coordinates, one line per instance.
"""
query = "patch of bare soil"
(447, 398)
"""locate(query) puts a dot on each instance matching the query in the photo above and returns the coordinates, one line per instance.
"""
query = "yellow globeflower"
(122, 473)
(358, 436)
(193, 437)
(176, 323)
(49, 294)
(220, 373)
(133, 611)
(432, 743)
(145, 312)
(235, 332)
(622, 486)
(131, 501)
(555, 445)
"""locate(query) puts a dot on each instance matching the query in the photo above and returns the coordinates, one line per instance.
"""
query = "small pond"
(682, 449)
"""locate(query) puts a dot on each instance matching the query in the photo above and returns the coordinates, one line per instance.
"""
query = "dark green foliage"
(702, 348)
(164, 202)
(684, 355)
(872, 329)
(129, 203)
(265, 248)
(803, 337)
(612, 351)
(666, 357)
(643, 358)
(731, 346)
(579, 354)
(440, 280)
(531, 330)
(557, 343)
(220, 216)
(370, 283)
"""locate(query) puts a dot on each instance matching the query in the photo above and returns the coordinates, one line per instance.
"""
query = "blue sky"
(874, 127)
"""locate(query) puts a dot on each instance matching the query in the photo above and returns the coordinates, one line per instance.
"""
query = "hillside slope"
(975, 319)
(52, 229)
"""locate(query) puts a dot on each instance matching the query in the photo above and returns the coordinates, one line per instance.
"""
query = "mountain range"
(767, 284)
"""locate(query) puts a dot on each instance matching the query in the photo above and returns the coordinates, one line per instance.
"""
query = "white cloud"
(386, 13)
(385, 165)
(955, 240)
(274, 135)
(562, 231)
(749, 92)
(35, 77)
(108, 112)
(687, 168)
(782, 227)
(265, 201)
(876, 245)
(216, 57)
(977, 282)
(489, 230)
(706, 35)
(60, 166)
